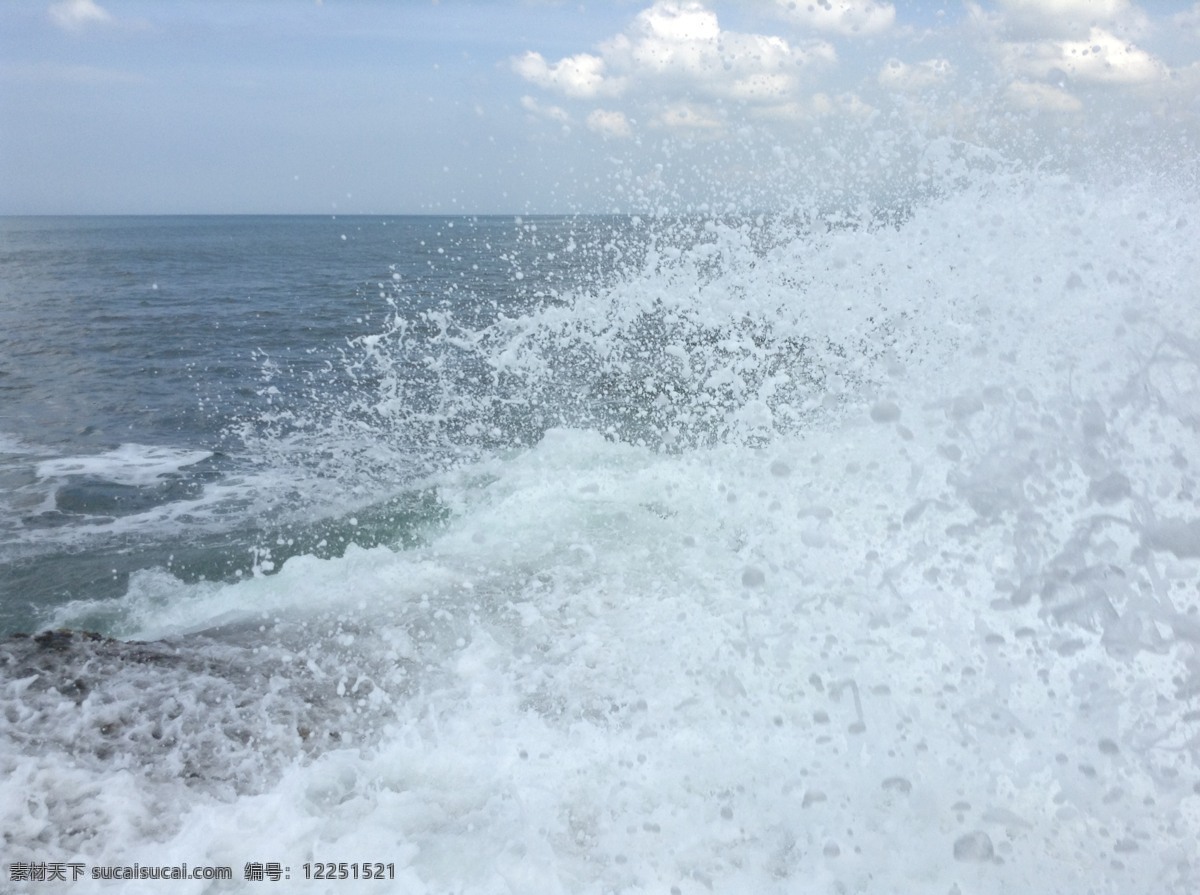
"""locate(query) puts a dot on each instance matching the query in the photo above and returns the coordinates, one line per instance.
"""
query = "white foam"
(942, 649)
(129, 464)
(10, 444)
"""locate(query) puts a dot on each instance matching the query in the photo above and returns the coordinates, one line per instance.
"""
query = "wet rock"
(220, 715)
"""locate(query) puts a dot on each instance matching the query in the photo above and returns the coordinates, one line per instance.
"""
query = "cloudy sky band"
(128, 105)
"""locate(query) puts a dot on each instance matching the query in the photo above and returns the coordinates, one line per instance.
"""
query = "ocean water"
(834, 551)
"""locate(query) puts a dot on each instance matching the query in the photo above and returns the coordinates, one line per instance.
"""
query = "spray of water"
(854, 545)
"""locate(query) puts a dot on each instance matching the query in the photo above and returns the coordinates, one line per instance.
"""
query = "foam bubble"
(129, 464)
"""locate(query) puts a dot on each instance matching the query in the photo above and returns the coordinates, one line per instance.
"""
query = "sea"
(829, 550)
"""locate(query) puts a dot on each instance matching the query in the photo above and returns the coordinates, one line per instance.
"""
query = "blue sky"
(295, 106)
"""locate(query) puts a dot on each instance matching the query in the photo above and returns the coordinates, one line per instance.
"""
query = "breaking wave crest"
(861, 550)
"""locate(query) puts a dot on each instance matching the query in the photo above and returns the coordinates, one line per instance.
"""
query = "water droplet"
(976, 846)
(753, 577)
(885, 412)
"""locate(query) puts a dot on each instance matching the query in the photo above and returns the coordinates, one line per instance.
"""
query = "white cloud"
(548, 112)
(903, 77)
(581, 76)
(1045, 48)
(609, 123)
(675, 67)
(684, 43)
(860, 18)
(1041, 19)
(847, 105)
(75, 15)
(1101, 58)
(689, 116)
(1188, 21)
(1029, 95)
(676, 64)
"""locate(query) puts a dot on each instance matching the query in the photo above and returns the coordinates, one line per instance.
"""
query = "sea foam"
(871, 566)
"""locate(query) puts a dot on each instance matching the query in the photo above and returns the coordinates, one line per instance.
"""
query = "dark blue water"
(113, 326)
